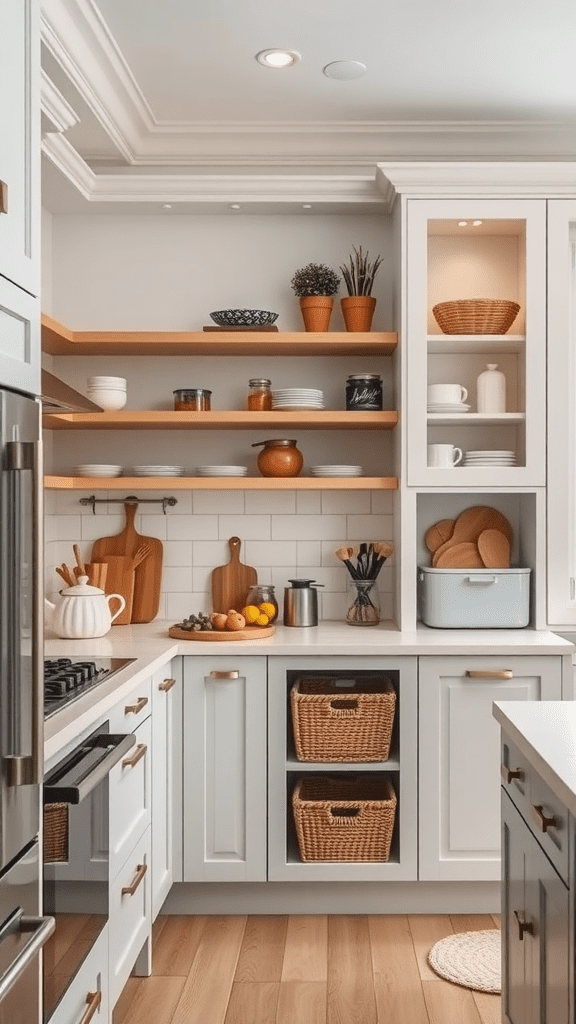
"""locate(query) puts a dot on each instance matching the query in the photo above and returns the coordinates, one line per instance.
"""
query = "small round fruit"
(235, 621)
(268, 609)
(262, 620)
(219, 620)
(250, 613)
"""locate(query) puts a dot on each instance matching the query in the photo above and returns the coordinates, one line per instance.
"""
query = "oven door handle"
(41, 928)
(73, 785)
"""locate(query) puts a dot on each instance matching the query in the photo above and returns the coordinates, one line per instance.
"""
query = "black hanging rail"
(131, 499)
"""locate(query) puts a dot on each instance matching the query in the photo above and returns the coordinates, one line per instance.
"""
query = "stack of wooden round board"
(480, 538)
(214, 635)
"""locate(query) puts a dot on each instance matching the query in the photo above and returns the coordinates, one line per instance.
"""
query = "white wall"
(167, 273)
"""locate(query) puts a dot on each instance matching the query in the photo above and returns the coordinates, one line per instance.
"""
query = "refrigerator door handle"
(41, 929)
(25, 769)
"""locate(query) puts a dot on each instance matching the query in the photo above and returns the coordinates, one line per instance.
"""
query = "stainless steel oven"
(76, 856)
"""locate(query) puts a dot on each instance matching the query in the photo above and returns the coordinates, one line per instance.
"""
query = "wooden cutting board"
(461, 556)
(494, 548)
(148, 575)
(120, 580)
(213, 635)
(231, 582)
(470, 524)
(438, 534)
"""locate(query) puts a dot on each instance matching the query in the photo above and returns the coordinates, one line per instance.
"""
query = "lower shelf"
(229, 483)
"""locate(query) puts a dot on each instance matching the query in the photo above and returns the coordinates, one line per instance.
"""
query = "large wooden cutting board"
(148, 574)
(231, 582)
(470, 524)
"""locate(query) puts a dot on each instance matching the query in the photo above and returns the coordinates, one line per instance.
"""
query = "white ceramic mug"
(446, 394)
(444, 456)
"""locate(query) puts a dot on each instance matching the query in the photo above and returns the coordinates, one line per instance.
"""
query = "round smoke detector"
(345, 70)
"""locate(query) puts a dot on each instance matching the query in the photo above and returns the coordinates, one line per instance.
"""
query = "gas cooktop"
(67, 679)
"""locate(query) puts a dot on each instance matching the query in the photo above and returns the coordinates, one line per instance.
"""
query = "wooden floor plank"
(350, 994)
(426, 929)
(262, 951)
(127, 997)
(154, 1001)
(397, 985)
(449, 1004)
(306, 949)
(301, 1002)
(176, 945)
(253, 1002)
(471, 922)
(489, 1007)
(206, 991)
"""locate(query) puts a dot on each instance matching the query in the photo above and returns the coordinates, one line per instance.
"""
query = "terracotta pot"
(316, 311)
(358, 311)
(279, 458)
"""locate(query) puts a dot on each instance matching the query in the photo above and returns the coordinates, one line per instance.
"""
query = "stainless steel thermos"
(301, 603)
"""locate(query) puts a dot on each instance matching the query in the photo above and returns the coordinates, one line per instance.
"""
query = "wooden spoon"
(461, 556)
(494, 548)
(470, 524)
(438, 534)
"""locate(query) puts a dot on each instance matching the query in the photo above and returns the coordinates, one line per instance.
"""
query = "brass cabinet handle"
(233, 674)
(511, 773)
(93, 999)
(135, 708)
(541, 819)
(167, 685)
(524, 926)
(129, 890)
(486, 673)
(138, 754)
(3, 197)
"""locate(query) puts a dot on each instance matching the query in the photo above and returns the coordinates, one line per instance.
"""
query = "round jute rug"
(471, 959)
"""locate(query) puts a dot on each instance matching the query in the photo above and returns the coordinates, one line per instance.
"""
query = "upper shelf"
(58, 340)
(167, 419)
(454, 344)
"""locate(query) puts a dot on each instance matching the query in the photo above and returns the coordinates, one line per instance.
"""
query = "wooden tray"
(214, 635)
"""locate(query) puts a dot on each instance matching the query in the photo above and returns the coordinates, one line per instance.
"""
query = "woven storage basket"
(331, 723)
(476, 316)
(344, 819)
(55, 833)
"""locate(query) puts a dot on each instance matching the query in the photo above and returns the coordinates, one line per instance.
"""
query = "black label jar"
(364, 392)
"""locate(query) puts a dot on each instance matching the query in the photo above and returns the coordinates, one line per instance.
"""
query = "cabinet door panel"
(130, 801)
(547, 903)
(166, 698)
(515, 846)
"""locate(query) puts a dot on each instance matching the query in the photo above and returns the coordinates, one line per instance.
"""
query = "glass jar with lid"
(364, 392)
(262, 596)
(259, 394)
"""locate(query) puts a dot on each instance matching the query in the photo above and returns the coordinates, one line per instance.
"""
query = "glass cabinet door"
(463, 431)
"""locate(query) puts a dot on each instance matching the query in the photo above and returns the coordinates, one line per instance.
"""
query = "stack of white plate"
(108, 392)
(489, 458)
(96, 469)
(221, 470)
(448, 407)
(336, 470)
(157, 471)
(297, 398)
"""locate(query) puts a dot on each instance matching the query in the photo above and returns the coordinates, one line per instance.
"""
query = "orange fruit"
(262, 620)
(268, 609)
(251, 613)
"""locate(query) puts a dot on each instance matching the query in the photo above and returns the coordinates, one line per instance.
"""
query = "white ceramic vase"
(491, 390)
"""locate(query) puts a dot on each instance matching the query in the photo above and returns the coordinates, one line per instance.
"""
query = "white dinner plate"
(448, 408)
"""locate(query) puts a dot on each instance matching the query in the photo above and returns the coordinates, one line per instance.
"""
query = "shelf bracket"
(131, 499)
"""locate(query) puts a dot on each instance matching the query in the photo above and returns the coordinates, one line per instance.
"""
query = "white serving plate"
(87, 470)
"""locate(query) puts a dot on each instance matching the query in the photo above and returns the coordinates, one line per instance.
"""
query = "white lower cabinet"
(130, 797)
(224, 758)
(459, 757)
(166, 724)
(130, 914)
(89, 989)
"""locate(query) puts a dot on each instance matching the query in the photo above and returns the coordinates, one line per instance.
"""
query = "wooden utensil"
(222, 636)
(438, 534)
(231, 582)
(494, 548)
(148, 578)
(461, 556)
(470, 524)
(79, 568)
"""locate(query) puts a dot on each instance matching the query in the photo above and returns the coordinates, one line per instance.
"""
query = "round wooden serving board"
(214, 635)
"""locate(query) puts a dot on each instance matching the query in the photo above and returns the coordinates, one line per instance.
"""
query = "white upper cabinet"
(476, 249)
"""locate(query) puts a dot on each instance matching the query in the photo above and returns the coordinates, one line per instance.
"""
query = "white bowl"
(106, 381)
(109, 399)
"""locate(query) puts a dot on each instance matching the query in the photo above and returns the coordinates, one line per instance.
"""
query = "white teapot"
(83, 611)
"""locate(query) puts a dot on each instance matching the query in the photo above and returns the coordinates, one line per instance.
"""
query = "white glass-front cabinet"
(471, 249)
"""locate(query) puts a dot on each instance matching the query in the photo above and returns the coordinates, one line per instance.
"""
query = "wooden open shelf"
(154, 419)
(58, 340)
(229, 483)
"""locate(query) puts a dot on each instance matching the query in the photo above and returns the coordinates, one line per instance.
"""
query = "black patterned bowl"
(243, 317)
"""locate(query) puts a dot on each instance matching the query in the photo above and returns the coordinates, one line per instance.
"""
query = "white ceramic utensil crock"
(83, 611)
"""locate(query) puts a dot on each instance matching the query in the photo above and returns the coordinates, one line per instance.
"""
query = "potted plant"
(358, 306)
(315, 285)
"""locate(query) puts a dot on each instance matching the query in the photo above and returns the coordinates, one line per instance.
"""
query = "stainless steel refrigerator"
(23, 930)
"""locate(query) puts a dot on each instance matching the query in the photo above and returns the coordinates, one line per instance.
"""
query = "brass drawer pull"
(541, 819)
(511, 773)
(524, 926)
(134, 709)
(497, 673)
(4, 204)
(93, 999)
(138, 754)
(129, 890)
(233, 674)
(166, 685)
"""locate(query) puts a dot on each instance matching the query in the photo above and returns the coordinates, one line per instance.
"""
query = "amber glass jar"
(279, 458)
(259, 394)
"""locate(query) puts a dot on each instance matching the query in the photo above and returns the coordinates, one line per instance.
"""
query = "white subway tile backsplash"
(370, 527)
(192, 528)
(218, 502)
(309, 552)
(313, 527)
(68, 527)
(254, 527)
(152, 525)
(177, 552)
(202, 581)
(269, 552)
(279, 578)
(180, 606)
(68, 504)
(308, 502)
(333, 580)
(94, 527)
(382, 502)
(177, 579)
(270, 502)
(334, 606)
(336, 502)
(210, 552)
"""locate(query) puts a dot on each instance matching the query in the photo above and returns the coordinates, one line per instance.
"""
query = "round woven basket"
(476, 316)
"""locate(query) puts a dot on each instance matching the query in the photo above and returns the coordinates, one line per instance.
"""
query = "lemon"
(262, 620)
(251, 613)
(268, 609)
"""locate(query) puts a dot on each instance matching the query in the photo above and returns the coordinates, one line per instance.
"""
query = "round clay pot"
(358, 311)
(279, 458)
(316, 311)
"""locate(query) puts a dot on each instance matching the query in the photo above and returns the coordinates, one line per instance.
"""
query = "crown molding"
(69, 162)
(55, 108)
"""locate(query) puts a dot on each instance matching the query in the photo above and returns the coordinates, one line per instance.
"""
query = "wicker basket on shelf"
(476, 316)
(333, 723)
(341, 819)
(55, 834)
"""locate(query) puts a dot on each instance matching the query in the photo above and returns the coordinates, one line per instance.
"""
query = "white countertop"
(545, 732)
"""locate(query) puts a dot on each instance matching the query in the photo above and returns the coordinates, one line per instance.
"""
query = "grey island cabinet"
(538, 794)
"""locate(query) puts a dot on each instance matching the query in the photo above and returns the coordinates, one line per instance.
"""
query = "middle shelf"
(168, 419)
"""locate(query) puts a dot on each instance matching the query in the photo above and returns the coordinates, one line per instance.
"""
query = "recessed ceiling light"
(476, 223)
(278, 58)
(234, 206)
(462, 223)
(166, 206)
(306, 206)
(345, 70)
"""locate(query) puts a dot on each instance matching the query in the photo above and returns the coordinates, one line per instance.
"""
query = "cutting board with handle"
(231, 582)
(147, 575)
(470, 524)
(121, 578)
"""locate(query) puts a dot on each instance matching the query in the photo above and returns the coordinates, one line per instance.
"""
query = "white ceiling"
(147, 102)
